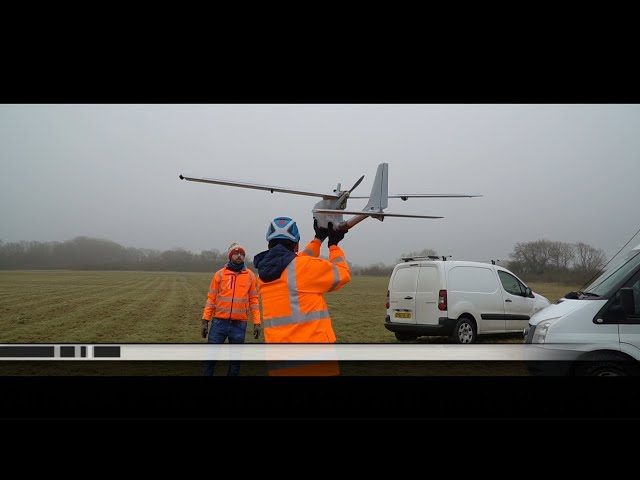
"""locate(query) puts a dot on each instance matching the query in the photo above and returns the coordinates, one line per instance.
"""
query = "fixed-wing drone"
(333, 205)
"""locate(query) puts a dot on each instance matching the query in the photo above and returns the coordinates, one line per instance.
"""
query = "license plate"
(403, 314)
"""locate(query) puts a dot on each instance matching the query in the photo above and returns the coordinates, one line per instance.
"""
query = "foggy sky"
(560, 172)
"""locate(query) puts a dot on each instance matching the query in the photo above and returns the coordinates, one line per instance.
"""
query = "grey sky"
(562, 172)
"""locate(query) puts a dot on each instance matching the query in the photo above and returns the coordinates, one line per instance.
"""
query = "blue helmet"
(283, 227)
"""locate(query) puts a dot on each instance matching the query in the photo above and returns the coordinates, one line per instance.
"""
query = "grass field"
(166, 307)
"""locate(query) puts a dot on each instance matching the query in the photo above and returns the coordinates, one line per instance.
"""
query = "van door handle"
(408, 298)
(508, 300)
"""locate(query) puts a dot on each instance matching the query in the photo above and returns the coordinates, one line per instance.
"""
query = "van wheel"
(464, 331)
(605, 370)
(608, 366)
(405, 337)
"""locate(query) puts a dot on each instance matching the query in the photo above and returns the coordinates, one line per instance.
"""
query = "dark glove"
(321, 233)
(335, 235)
(257, 328)
(205, 328)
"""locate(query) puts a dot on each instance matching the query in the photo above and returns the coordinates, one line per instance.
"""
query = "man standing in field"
(292, 288)
(233, 293)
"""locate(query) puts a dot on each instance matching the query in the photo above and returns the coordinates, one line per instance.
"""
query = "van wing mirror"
(528, 292)
(627, 300)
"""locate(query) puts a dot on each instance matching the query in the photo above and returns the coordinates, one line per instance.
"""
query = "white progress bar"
(297, 352)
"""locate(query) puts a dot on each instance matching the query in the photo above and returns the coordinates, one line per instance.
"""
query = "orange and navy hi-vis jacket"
(232, 295)
(293, 306)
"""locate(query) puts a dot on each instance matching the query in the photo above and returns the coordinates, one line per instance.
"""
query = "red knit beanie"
(235, 248)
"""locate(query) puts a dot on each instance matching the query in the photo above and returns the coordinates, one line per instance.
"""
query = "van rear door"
(428, 289)
(402, 294)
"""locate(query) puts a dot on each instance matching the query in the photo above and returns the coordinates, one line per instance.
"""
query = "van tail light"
(388, 299)
(442, 300)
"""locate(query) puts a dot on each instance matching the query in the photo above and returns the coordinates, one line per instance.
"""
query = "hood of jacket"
(271, 263)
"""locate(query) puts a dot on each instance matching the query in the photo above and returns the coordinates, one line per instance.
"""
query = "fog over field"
(566, 173)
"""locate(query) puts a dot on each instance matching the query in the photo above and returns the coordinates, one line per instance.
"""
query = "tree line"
(543, 259)
(540, 260)
(85, 253)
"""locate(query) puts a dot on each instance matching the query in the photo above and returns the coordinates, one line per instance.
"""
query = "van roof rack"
(426, 257)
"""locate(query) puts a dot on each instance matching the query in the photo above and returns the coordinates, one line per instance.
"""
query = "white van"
(601, 324)
(458, 299)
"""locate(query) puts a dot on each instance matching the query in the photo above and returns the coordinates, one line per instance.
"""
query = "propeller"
(341, 203)
(356, 184)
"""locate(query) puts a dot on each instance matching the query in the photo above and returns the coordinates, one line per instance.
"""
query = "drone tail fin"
(379, 198)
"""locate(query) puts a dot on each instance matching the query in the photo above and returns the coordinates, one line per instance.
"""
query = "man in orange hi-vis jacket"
(233, 295)
(292, 287)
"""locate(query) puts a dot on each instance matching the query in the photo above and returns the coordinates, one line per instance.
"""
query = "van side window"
(511, 284)
(636, 294)
(613, 312)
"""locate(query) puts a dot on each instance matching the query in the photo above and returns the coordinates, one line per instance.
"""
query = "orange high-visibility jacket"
(293, 306)
(232, 295)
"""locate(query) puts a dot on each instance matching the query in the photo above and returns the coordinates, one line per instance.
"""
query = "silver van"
(458, 299)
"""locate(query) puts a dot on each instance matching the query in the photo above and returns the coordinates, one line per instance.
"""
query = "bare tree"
(532, 257)
(561, 255)
(588, 258)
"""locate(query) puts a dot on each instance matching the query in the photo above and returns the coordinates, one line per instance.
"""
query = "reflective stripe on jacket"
(293, 306)
(232, 295)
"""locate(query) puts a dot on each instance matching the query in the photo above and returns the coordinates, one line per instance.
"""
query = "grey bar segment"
(27, 351)
(68, 352)
(106, 352)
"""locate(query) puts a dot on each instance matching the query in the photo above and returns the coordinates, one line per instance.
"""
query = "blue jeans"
(220, 330)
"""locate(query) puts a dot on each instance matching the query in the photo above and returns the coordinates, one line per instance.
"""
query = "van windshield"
(609, 279)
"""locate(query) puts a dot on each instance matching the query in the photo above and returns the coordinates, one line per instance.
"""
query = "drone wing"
(371, 213)
(404, 196)
(257, 186)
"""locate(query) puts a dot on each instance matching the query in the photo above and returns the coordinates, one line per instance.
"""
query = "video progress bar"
(297, 352)
(58, 351)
